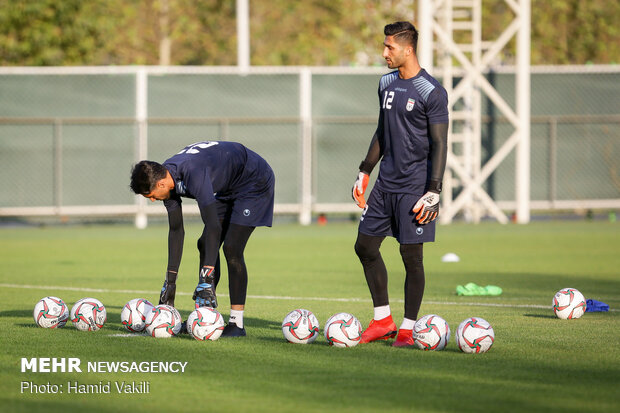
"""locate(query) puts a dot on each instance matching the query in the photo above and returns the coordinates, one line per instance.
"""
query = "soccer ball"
(205, 323)
(475, 335)
(300, 326)
(343, 330)
(163, 321)
(431, 332)
(50, 312)
(569, 303)
(133, 315)
(88, 314)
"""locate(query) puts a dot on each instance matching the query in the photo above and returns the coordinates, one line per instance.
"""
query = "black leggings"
(367, 249)
(233, 241)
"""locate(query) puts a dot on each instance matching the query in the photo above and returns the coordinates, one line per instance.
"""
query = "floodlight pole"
(305, 115)
(522, 183)
(425, 34)
(141, 220)
(243, 34)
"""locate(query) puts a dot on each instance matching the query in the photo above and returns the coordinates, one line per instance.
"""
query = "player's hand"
(427, 208)
(205, 296)
(359, 188)
(168, 291)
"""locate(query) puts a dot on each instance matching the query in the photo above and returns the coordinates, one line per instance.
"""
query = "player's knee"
(232, 253)
(412, 253)
(200, 244)
(365, 251)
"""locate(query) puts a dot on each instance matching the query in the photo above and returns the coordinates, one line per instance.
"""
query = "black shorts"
(389, 214)
(252, 206)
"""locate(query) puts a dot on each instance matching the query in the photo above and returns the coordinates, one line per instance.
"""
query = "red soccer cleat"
(404, 338)
(379, 330)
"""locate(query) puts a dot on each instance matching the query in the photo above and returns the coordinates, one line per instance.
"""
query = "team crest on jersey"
(410, 103)
(181, 188)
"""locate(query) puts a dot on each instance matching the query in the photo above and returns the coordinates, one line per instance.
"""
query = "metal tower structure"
(441, 23)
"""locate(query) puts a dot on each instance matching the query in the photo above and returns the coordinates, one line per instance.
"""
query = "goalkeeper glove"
(427, 208)
(204, 295)
(359, 188)
(168, 291)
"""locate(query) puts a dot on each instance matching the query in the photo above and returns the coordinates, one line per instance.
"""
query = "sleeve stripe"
(423, 86)
(386, 80)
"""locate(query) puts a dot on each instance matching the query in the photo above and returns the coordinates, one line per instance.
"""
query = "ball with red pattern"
(163, 321)
(51, 312)
(475, 335)
(133, 314)
(569, 303)
(205, 323)
(300, 326)
(343, 330)
(431, 333)
(88, 314)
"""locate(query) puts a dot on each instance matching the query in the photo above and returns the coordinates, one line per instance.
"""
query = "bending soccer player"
(234, 189)
(411, 142)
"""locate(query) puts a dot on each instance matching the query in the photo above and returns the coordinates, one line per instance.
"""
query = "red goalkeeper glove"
(359, 188)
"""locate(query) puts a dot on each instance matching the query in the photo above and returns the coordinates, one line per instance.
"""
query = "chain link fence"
(69, 136)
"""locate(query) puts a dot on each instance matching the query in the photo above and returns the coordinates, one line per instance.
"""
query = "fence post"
(305, 114)
(57, 165)
(141, 220)
(523, 108)
(553, 160)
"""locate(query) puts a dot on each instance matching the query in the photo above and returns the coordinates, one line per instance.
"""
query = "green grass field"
(538, 362)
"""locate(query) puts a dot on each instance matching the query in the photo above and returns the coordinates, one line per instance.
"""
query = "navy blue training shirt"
(210, 170)
(408, 106)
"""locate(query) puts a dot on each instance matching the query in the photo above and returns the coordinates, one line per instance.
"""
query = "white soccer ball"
(300, 326)
(431, 332)
(205, 323)
(569, 303)
(343, 330)
(475, 335)
(133, 314)
(163, 321)
(50, 312)
(88, 314)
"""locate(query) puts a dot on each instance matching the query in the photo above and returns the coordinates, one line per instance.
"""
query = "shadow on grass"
(539, 315)
(16, 313)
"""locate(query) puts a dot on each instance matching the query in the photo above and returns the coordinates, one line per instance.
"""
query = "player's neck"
(409, 70)
(169, 181)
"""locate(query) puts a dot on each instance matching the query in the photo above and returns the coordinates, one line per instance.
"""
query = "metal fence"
(68, 136)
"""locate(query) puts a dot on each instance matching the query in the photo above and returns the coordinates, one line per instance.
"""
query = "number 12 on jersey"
(388, 97)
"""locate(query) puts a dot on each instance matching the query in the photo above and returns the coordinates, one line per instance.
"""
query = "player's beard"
(394, 62)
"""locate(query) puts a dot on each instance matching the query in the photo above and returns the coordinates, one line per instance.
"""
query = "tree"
(49, 32)
(283, 32)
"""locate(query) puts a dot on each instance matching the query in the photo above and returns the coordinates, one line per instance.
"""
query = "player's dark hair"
(403, 32)
(144, 176)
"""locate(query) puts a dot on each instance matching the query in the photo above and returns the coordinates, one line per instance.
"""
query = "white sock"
(382, 312)
(407, 324)
(236, 316)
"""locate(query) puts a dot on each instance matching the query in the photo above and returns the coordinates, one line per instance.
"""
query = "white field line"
(277, 297)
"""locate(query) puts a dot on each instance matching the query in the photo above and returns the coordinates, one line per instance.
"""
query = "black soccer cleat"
(232, 330)
(183, 329)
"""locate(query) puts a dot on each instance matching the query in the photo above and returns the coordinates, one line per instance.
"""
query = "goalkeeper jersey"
(407, 108)
(210, 170)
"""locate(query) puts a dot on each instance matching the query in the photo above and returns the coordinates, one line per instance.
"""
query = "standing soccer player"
(234, 189)
(411, 142)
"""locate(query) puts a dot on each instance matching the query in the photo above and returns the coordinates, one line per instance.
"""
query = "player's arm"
(375, 151)
(209, 245)
(427, 208)
(176, 236)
